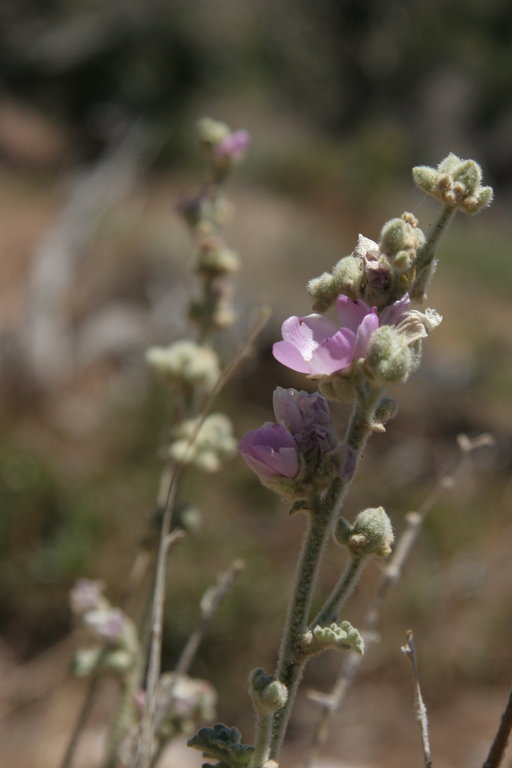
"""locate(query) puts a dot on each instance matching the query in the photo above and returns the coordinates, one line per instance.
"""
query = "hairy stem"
(331, 609)
(262, 739)
(325, 511)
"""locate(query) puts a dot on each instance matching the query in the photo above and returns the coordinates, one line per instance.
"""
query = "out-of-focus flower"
(106, 625)
(233, 146)
(86, 595)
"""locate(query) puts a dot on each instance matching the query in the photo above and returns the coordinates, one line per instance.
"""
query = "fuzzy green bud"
(268, 694)
(372, 533)
(400, 240)
(323, 290)
(389, 356)
(348, 276)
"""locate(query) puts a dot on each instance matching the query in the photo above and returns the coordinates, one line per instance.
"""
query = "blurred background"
(98, 104)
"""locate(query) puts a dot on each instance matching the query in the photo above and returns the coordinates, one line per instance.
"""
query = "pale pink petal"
(305, 333)
(351, 312)
(288, 355)
(333, 354)
(393, 314)
(368, 325)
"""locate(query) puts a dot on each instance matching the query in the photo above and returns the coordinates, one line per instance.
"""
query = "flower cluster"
(114, 633)
(316, 346)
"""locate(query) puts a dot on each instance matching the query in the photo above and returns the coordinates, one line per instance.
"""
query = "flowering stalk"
(291, 660)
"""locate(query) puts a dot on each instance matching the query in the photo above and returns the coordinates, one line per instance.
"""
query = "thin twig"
(421, 710)
(331, 702)
(500, 743)
(143, 756)
(210, 603)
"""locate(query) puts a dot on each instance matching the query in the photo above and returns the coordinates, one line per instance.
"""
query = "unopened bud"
(371, 534)
(348, 276)
(268, 694)
(322, 289)
(389, 356)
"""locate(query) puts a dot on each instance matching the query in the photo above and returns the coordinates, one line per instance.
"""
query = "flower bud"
(400, 241)
(185, 361)
(268, 694)
(348, 276)
(338, 635)
(323, 290)
(389, 356)
(211, 132)
(271, 452)
(372, 533)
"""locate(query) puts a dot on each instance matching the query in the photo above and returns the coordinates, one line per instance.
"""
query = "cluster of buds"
(116, 649)
(185, 364)
(375, 273)
(203, 444)
(298, 456)
(456, 183)
(205, 214)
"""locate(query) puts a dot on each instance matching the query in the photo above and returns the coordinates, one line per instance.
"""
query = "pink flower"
(233, 146)
(314, 345)
(270, 451)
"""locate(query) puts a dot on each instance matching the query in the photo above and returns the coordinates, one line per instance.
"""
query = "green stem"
(341, 592)
(425, 263)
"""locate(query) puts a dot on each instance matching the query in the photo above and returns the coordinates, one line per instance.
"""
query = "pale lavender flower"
(270, 451)
(107, 625)
(86, 595)
(233, 146)
(314, 345)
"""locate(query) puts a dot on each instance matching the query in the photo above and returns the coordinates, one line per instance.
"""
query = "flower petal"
(285, 353)
(393, 314)
(305, 333)
(368, 325)
(333, 354)
(351, 313)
